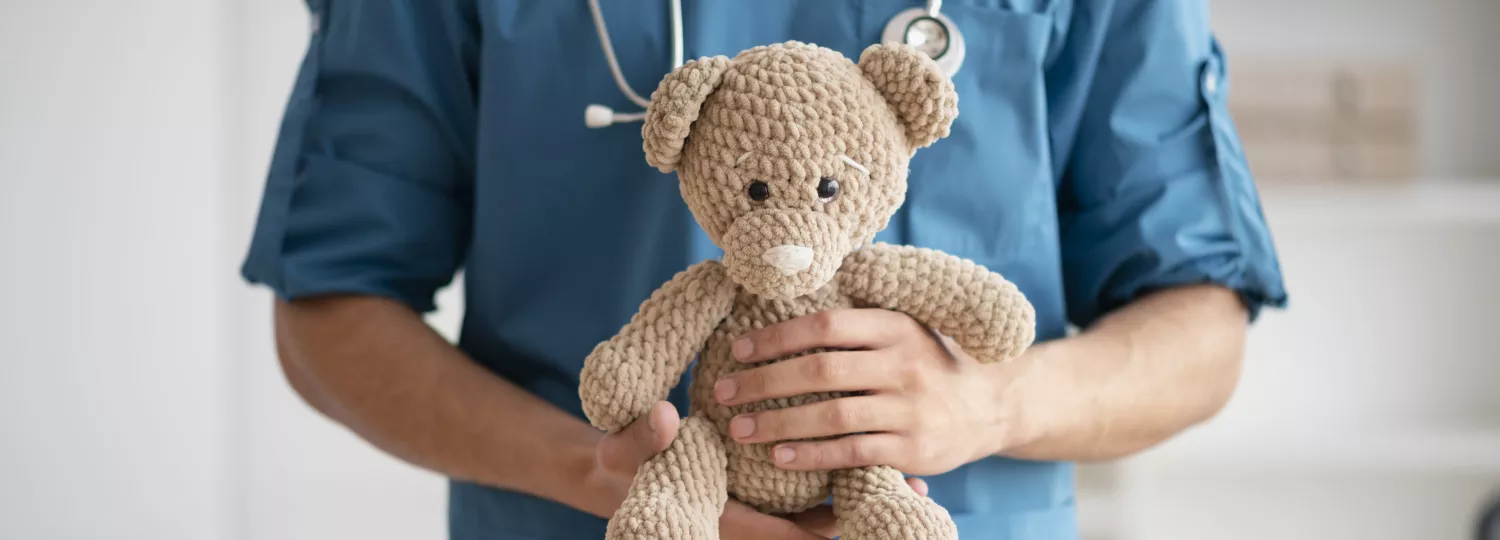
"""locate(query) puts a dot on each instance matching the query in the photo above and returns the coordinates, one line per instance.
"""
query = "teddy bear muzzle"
(783, 254)
(789, 259)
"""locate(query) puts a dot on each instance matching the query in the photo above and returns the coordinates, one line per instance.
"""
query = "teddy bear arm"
(984, 313)
(624, 376)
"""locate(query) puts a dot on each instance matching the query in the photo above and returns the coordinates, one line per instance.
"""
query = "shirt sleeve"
(370, 184)
(1155, 191)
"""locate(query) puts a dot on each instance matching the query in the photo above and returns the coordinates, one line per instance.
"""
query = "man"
(1093, 163)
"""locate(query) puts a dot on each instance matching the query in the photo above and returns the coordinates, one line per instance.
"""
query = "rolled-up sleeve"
(1155, 190)
(370, 185)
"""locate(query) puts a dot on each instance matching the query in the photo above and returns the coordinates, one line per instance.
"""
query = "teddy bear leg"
(678, 494)
(876, 503)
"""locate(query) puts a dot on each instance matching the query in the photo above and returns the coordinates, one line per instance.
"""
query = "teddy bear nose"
(788, 259)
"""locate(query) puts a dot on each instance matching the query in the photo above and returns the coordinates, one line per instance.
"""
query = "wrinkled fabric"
(1093, 160)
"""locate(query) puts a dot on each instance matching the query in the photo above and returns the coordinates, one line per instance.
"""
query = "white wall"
(1453, 43)
(1368, 411)
(115, 385)
(138, 379)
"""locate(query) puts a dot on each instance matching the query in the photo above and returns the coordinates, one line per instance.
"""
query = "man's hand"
(621, 453)
(926, 408)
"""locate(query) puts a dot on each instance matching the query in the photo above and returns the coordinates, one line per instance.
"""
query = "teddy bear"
(791, 157)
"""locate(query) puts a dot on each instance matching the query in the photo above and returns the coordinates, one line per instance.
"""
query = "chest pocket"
(1005, 47)
(982, 191)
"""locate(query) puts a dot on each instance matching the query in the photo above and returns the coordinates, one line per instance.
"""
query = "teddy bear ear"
(674, 107)
(915, 87)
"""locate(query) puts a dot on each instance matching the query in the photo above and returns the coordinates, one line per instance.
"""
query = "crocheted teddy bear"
(792, 158)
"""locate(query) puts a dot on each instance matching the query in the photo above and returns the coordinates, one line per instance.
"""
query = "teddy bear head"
(790, 156)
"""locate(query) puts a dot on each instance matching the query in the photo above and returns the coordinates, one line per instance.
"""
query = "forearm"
(1137, 377)
(374, 366)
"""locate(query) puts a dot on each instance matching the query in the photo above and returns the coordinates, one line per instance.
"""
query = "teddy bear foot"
(679, 493)
(659, 517)
(898, 516)
(875, 503)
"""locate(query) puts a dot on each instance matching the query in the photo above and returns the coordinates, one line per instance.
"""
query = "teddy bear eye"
(759, 191)
(828, 188)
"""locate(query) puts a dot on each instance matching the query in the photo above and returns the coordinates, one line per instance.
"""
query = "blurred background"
(139, 395)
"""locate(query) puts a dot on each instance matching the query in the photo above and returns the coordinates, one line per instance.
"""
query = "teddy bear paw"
(659, 517)
(898, 516)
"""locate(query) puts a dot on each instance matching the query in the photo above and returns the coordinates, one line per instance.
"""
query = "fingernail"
(741, 427)
(742, 348)
(724, 390)
(785, 454)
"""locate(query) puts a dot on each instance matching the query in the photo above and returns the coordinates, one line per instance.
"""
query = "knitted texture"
(623, 377)
(674, 107)
(756, 232)
(783, 115)
(753, 478)
(791, 157)
(985, 314)
(678, 494)
(876, 503)
(923, 98)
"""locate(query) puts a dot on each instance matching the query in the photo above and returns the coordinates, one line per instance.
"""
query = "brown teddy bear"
(792, 158)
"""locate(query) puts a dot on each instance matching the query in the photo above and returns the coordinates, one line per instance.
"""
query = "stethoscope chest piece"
(930, 32)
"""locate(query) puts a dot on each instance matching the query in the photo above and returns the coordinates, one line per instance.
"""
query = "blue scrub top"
(1093, 159)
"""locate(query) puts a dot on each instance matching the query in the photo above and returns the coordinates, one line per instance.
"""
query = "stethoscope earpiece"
(598, 116)
(927, 29)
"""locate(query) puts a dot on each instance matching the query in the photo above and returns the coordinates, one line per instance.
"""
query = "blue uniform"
(1093, 160)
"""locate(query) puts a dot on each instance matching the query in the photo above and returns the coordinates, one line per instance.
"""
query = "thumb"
(918, 485)
(622, 452)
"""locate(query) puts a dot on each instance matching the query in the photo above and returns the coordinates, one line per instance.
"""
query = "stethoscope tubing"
(898, 30)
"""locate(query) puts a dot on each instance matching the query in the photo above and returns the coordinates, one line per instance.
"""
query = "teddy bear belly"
(753, 477)
(762, 486)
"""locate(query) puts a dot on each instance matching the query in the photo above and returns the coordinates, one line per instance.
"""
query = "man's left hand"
(925, 407)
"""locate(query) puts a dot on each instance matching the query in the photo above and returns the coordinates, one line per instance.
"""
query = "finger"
(624, 451)
(819, 520)
(837, 329)
(839, 371)
(740, 522)
(918, 485)
(822, 419)
(842, 453)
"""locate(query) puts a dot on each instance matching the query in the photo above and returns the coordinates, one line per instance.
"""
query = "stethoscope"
(926, 29)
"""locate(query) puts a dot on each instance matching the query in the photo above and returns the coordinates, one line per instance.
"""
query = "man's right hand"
(619, 454)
